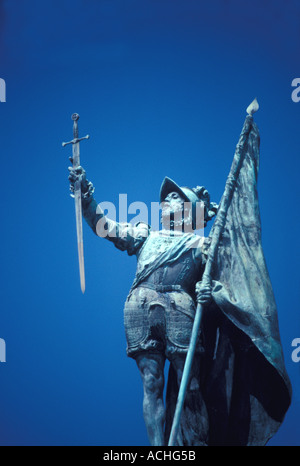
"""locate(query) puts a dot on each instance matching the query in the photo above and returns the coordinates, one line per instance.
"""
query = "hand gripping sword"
(77, 195)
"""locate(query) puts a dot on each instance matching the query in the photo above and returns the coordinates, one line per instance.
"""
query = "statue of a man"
(225, 403)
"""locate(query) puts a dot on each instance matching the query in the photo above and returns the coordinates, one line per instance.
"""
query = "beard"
(177, 219)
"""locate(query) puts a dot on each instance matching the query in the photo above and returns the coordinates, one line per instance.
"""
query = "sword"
(77, 195)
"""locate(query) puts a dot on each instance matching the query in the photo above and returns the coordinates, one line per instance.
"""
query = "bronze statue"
(236, 387)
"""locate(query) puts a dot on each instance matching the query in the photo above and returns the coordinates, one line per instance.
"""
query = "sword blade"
(78, 215)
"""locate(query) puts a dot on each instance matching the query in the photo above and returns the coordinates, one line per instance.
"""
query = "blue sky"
(162, 88)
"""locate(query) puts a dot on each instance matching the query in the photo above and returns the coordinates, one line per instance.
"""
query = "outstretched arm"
(125, 236)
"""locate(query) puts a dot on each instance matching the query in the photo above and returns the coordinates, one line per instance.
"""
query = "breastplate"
(185, 271)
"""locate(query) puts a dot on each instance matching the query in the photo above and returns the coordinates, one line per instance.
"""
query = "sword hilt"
(76, 139)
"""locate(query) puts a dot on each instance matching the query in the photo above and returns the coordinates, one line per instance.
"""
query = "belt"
(162, 288)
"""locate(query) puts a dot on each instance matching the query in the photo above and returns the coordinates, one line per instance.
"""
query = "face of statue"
(175, 212)
(173, 202)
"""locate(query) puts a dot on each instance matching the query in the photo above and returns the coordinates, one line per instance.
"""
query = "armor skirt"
(159, 322)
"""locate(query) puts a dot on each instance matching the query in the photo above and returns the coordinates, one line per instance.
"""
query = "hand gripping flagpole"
(77, 195)
(206, 279)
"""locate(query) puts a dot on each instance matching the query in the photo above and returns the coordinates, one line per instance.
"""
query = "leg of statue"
(151, 367)
(195, 422)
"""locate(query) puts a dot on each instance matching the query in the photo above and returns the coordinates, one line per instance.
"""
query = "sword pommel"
(75, 117)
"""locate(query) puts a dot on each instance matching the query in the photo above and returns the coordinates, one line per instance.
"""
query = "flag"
(243, 382)
(247, 351)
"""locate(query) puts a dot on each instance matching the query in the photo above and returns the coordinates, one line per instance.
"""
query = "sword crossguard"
(75, 140)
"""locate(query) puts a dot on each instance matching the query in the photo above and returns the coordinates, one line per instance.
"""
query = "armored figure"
(238, 389)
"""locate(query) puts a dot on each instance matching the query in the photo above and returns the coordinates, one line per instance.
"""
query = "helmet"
(192, 195)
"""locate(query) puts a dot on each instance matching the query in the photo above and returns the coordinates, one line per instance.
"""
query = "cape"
(242, 374)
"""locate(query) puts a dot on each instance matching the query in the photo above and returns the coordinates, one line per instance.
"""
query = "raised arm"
(125, 236)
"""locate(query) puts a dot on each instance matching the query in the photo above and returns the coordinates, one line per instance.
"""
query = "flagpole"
(206, 278)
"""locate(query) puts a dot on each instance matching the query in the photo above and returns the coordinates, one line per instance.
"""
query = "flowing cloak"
(242, 373)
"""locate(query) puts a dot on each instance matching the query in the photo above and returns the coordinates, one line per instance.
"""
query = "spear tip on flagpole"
(253, 107)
